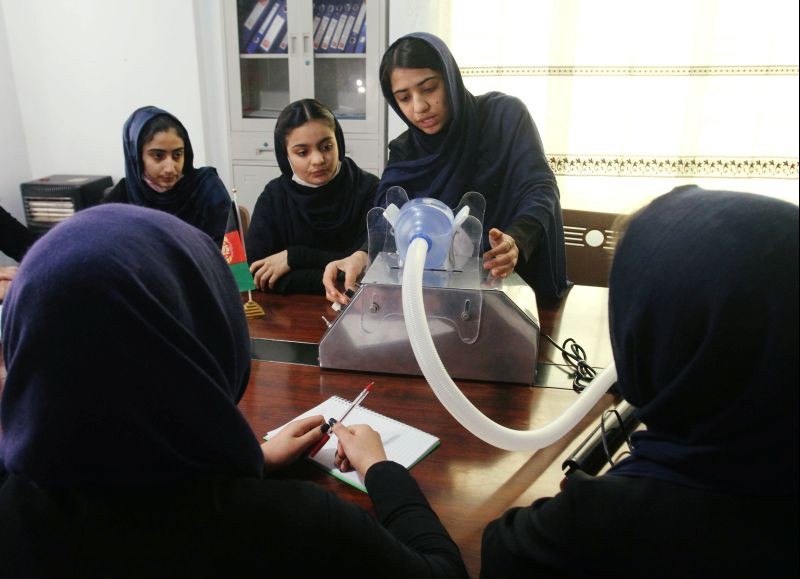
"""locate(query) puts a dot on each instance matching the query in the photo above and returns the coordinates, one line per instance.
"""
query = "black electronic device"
(597, 450)
(49, 200)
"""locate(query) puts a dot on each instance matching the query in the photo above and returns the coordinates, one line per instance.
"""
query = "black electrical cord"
(605, 435)
(583, 373)
(598, 449)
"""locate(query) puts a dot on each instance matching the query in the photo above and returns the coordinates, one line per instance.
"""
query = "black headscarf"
(704, 324)
(330, 217)
(491, 145)
(199, 198)
(127, 352)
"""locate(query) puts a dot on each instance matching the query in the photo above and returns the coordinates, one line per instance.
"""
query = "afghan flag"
(234, 253)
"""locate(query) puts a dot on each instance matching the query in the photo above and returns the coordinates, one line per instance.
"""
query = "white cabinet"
(279, 51)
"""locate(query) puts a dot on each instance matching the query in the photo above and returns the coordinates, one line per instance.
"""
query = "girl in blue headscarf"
(122, 450)
(703, 308)
(456, 143)
(159, 173)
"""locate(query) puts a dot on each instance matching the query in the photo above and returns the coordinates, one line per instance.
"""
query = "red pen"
(328, 425)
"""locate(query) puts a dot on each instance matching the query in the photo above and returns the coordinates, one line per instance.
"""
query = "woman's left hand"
(292, 441)
(268, 270)
(502, 257)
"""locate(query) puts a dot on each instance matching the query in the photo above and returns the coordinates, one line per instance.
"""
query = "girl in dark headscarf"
(159, 173)
(315, 212)
(456, 143)
(123, 453)
(703, 307)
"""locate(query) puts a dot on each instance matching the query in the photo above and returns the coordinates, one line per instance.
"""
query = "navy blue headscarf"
(703, 297)
(491, 145)
(199, 198)
(127, 352)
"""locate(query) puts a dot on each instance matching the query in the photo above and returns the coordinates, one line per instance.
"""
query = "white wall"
(80, 68)
(406, 16)
(14, 166)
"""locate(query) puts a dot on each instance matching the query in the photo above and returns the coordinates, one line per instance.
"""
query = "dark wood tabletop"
(467, 481)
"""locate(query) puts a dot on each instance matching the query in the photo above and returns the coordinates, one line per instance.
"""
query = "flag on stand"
(234, 253)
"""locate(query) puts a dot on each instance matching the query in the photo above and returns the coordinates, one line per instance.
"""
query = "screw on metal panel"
(465, 315)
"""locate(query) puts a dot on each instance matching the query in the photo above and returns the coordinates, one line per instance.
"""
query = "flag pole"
(251, 308)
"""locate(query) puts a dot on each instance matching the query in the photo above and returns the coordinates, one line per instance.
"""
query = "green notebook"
(404, 444)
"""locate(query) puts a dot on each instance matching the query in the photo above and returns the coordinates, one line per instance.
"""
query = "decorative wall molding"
(651, 166)
(731, 70)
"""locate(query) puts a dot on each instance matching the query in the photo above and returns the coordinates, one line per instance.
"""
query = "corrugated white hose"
(454, 400)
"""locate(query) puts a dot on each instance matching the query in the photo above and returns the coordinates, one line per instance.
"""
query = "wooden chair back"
(244, 218)
(589, 240)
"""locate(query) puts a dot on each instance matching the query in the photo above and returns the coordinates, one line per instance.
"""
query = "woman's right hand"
(359, 448)
(269, 270)
(352, 266)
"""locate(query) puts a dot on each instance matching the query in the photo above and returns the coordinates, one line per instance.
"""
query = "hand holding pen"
(291, 442)
(359, 447)
(328, 425)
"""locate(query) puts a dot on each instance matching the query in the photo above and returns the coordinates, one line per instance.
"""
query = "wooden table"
(467, 481)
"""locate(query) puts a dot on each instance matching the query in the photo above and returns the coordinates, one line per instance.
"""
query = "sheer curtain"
(634, 98)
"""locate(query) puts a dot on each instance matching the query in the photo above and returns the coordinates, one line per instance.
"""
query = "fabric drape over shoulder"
(704, 328)
(199, 198)
(127, 352)
(491, 146)
(315, 224)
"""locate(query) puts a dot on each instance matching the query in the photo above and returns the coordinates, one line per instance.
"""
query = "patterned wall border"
(733, 70)
(726, 167)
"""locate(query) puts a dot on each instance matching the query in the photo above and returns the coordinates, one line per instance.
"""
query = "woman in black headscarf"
(703, 307)
(315, 211)
(456, 143)
(159, 173)
(122, 450)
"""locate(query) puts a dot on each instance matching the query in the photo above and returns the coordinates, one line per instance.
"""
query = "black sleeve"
(262, 238)
(118, 194)
(317, 533)
(404, 511)
(15, 238)
(302, 257)
(527, 233)
(302, 281)
(535, 541)
(307, 267)
(217, 219)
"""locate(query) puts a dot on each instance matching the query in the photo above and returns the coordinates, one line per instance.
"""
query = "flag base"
(253, 310)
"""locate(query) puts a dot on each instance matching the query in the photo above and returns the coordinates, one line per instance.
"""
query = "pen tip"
(369, 386)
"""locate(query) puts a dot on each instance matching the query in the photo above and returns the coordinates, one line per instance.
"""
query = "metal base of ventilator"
(483, 328)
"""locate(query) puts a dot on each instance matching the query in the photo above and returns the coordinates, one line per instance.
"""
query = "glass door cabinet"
(279, 51)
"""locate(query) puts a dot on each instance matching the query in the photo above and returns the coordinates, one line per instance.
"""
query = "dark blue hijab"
(703, 308)
(199, 198)
(127, 352)
(491, 146)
